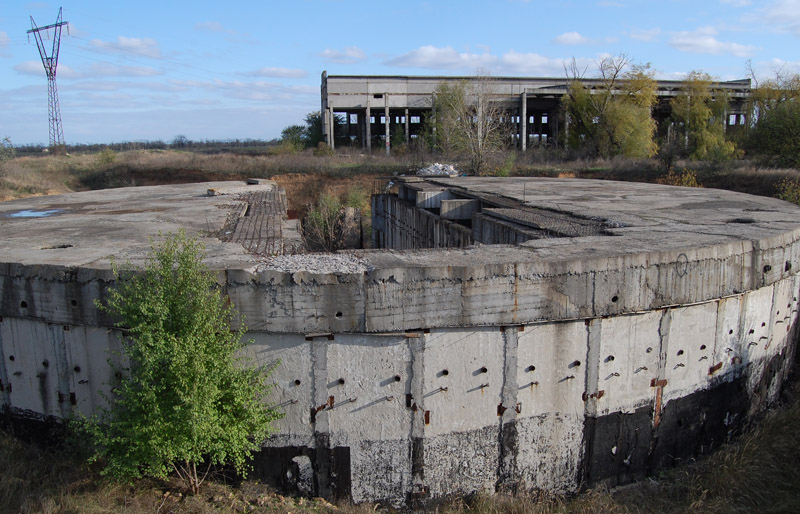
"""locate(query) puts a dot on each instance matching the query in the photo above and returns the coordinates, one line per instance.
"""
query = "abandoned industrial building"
(518, 333)
(367, 111)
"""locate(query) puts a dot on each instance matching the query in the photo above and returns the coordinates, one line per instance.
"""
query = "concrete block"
(459, 209)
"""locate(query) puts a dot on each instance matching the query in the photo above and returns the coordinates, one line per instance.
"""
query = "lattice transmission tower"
(50, 64)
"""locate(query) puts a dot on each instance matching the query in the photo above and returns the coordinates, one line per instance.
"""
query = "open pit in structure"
(509, 333)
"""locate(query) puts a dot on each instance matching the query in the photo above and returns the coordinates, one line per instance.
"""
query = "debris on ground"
(439, 169)
(315, 263)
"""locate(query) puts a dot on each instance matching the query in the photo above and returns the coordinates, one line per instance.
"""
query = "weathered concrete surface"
(556, 363)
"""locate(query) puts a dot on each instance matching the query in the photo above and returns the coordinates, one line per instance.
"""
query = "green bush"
(184, 399)
(789, 191)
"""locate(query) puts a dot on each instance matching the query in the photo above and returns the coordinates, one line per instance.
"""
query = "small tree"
(7, 150)
(700, 111)
(468, 120)
(775, 121)
(185, 399)
(615, 117)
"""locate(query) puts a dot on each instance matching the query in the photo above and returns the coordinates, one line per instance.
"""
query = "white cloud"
(645, 35)
(510, 63)
(442, 58)
(143, 46)
(349, 55)
(783, 15)
(279, 72)
(96, 70)
(571, 38)
(736, 3)
(703, 41)
(517, 63)
(36, 68)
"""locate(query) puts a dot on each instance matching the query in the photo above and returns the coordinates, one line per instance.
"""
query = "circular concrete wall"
(634, 328)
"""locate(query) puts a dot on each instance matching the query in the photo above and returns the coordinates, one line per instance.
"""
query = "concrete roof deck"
(87, 229)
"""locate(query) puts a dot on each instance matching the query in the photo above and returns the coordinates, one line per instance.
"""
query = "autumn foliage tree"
(699, 115)
(613, 117)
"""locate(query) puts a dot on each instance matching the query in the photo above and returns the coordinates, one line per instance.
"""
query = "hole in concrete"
(763, 324)
(530, 368)
(338, 314)
(615, 298)
(649, 349)
(730, 331)
(574, 364)
(483, 369)
(45, 363)
(77, 369)
(23, 304)
(767, 268)
(74, 303)
(680, 352)
(788, 266)
(11, 358)
(702, 347)
(297, 382)
(752, 331)
(609, 358)
(397, 378)
(444, 373)
(341, 381)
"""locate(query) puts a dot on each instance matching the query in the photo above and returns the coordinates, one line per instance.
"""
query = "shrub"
(789, 190)
(184, 400)
(686, 178)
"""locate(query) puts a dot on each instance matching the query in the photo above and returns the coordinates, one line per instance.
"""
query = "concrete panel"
(461, 463)
(369, 400)
(688, 348)
(463, 380)
(551, 367)
(551, 448)
(291, 361)
(628, 360)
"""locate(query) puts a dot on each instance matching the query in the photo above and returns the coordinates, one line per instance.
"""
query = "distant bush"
(685, 178)
(789, 190)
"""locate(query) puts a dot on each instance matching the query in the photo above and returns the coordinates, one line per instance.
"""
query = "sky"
(146, 70)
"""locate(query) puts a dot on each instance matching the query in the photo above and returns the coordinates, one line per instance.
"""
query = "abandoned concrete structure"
(539, 333)
(535, 106)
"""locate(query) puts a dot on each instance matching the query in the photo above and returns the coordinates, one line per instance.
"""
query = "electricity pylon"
(50, 64)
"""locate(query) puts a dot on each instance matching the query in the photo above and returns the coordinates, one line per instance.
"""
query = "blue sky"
(146, 70)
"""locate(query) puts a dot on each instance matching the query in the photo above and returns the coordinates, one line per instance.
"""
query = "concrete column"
(362, 131)
(387, 125)
(332, 125)
(523, 127)
(368, 123)
(408, 136)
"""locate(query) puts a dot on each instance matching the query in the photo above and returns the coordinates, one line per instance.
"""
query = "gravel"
(316, 263)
